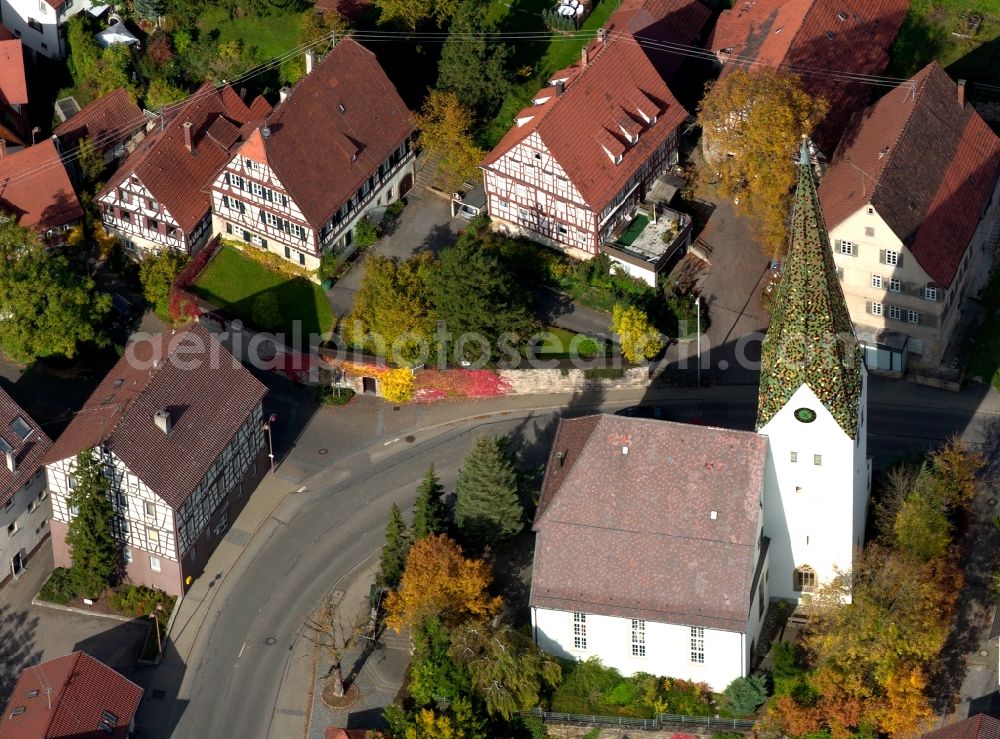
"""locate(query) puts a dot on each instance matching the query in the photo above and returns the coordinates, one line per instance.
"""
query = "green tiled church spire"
(811, 340)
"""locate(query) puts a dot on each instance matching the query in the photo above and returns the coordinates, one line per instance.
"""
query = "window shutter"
(243, 207)
(855, 250)
(225, 201)
(262, 215)
(269, 194)
(881, 255)
(225, 177)
(840, 273)
(868, 307)
(899, 259)
(244, 183)
(836, 246)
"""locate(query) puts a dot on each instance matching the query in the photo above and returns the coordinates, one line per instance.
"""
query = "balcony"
(645, 243)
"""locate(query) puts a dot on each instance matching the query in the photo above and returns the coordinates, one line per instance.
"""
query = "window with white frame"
(72, 510)
(847, 247)
(895, 312)
(931, 293)
(891, 256)
(877, 281)
(895, 285)
(805, 578)
(150, 508)
(154, 564)
(876, 309)
(271, 220)
(794, 456)
(257, 189)
(638, 638)
(912, 316)
(818, 459)
(698, 644)
(127, 555)
(579, 631)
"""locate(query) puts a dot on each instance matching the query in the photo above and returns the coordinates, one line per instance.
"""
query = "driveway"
(425, 223)
(32, 634)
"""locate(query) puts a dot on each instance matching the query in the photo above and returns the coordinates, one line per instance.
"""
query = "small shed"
(116, 33)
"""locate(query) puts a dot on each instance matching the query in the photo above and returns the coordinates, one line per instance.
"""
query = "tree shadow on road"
(17, 647)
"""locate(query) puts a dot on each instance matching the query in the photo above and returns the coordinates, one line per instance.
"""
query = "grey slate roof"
(630, 534)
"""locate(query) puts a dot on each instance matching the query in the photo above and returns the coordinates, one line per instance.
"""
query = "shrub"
(624, 694)
(744, 695)
(727, 735)
(334, 395)
(59, 588)
(604, 373)
(141, 601)
(365, 234)
(395, 209)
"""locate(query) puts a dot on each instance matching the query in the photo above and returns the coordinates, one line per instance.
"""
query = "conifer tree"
(395, 549)
(428, 511)
(93, 549)
(487, 505)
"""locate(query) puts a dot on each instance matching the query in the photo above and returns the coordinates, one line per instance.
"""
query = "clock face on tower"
(805, 415)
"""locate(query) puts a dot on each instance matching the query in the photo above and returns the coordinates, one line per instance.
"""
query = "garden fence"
(662, 720)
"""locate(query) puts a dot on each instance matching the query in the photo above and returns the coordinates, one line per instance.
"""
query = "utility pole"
(697, 305)
(270, 444)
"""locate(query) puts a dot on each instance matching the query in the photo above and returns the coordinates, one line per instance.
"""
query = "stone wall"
(538, 381)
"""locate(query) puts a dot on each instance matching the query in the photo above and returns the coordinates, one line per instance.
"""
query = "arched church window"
(805, 578)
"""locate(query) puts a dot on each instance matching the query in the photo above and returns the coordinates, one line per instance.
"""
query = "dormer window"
(631, 138)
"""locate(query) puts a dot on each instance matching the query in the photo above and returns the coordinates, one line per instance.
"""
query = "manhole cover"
(984, 653)
(410, 439)
(324, 450)
(991, 501)
(270, 640)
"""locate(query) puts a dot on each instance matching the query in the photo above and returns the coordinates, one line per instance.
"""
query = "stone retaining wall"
(537, 381)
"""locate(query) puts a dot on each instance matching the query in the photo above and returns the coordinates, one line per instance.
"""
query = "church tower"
(813, 397)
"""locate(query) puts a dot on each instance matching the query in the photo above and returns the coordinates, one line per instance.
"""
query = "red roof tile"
(979, 726)
(207, 391)
(84, 692)
(13, 87)
(347, 109)
(579, 125)
(106, 121)
(176, 177)
(35, 188)
(665, 21)
(813, 34)
(27, 442)
(623, 496)
(928, 165)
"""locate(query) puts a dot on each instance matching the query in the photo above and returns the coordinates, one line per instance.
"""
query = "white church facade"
(659, 545)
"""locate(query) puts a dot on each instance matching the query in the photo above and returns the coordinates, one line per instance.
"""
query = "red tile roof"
(927, 163)
(35, 189)
(27, 442)
(207, 391)
(107, 121)
(178, 178)
(609, 520)
(347, 109)
(979, 726)
(579, 125)
(84, 692)
(13, 87)
(665, 21)
(813, 35)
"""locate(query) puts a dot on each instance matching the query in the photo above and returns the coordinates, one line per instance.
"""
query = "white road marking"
(241, 650)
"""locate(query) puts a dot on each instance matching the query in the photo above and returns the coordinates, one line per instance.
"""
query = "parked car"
(644, 411)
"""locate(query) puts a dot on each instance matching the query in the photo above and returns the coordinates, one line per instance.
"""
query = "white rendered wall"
(29, 510)
(814, 513)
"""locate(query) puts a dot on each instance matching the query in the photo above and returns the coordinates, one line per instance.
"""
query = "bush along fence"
(184, 305)
(662, 721)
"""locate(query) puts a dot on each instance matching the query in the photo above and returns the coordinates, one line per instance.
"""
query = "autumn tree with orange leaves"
(440, 581)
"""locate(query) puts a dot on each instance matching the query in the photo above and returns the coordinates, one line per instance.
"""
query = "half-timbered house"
(158, 199)
(178, 426)
(578, 162)
(278, 195)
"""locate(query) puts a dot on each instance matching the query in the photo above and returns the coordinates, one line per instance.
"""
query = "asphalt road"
(317, 536)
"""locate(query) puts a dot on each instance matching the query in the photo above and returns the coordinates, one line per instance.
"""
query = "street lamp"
(270, 444)
(34, 132)
(697, 306)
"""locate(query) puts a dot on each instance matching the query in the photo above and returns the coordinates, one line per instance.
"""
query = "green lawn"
(558, 341)
(633, 230)
(273, 35)
(928, 34)
(236, 284)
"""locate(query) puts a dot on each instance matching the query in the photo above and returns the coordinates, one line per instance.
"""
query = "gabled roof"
(176, 177)
(35, 189)
(106, 121)
(581, 126)
(926, 162)
(979, 726)
(811, 339)
(665, 21)
(13, 87)
(625, 525)
(85, 694)
(338, 124)
(24, 438)
(813, 34)
(207, 392)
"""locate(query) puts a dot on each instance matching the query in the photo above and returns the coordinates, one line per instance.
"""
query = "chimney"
(560, 87)
(584, 56)
(11, 464)
(162, 421)
(3, 148)
(961, 93)
(283, 94)
(310, 61)
(187, 137)
(265, 132)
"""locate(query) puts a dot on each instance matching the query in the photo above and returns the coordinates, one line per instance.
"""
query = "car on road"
(644, 411)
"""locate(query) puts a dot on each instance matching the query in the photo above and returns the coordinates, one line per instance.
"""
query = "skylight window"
(20, 427)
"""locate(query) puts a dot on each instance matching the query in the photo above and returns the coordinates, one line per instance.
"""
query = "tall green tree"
(90, 162)
(487, 505)
(477, 295)
(434, 675)
(150, 9)
(95, 553)
(506, 668)
(471, 66)
(428, 511)
(395, 549)
(46, 306)
(157, 274)
(412, 12)
(445, 127)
